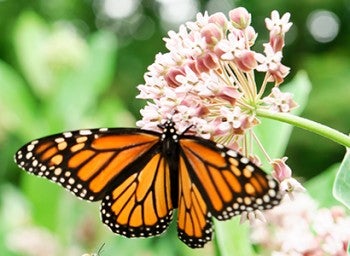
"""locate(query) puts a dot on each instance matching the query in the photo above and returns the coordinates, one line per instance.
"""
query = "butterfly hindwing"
(141, 206)
(194, 220)
(85, 162)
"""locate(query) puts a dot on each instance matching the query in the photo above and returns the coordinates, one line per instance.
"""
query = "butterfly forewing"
(86, 161)
(228, 182)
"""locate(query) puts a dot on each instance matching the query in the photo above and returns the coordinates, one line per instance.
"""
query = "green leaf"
(30, 34)
(325, 181)
(232, 238)
(16, 105)
(341, 187)
(274, 135)
(44, 197)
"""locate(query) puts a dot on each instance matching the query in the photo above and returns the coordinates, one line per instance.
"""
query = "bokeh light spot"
(323, 25)
(118, 9)
(174, 12)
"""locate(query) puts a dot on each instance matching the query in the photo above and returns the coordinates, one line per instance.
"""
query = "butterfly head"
(169, 131)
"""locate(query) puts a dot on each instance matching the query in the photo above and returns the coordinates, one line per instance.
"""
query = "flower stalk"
(307, 124)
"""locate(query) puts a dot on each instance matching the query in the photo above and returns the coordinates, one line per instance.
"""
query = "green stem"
(307, 124)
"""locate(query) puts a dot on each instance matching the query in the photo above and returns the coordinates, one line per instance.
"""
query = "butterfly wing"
(124, 167)
(141, 206)
(129, 170)
(85, 162)
(194, 219)
(216, 181)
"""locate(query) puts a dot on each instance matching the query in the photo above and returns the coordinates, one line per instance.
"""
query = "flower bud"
(219, 19)
(240, 18)
(212, 33)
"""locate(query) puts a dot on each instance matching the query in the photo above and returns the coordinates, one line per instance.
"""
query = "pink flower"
(233, 120)
(283, 173)
(245, 60)
(279, 101)
(186, 76)
(271, 63)
(172, 74)
(231, 46)
(212, 33)
(219, 19)
(276, 42)
(281, 170)
(278, 28)
(211, 65)
(207, 62)
(299, 227)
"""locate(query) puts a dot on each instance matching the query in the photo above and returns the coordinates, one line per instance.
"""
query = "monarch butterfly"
(141, 176)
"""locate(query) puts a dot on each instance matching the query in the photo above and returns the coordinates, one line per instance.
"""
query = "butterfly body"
(141, 176)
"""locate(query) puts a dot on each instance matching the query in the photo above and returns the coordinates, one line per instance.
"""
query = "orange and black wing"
(216, 181)
(122, 166)
(141, 205)
(86, 162)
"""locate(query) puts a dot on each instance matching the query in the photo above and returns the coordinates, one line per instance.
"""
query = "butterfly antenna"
(186, 130)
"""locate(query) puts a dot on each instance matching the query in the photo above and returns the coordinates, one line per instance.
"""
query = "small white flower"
(189, 78)
(290, 186)
(252, 216)
(279, 101)
(201, 21)
(280, 25)
(231, 46)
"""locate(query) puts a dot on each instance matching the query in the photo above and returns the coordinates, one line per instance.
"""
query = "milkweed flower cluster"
(207, 78)
(298, 227)
(206, 81)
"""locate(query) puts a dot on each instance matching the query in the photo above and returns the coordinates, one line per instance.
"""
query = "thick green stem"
(307, 124)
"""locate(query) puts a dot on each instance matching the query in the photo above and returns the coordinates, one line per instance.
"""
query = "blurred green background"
(69, 64)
